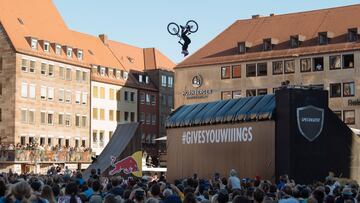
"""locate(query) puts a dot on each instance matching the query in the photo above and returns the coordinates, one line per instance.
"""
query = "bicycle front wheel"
(193, 26)
(173, 28)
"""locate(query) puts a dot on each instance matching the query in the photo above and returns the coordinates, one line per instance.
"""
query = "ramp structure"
(125, 141)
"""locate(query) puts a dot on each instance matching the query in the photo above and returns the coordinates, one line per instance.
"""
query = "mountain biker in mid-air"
(184, 35)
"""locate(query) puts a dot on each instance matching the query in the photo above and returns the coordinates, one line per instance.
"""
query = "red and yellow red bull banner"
(129, 165)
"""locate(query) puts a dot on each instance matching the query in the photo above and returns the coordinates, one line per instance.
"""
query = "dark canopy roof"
(224, 111)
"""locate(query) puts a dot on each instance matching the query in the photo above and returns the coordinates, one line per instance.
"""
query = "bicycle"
(174, 29)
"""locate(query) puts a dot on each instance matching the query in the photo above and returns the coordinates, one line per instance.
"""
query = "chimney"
(272, 14)
(104, 38)
(255, 16)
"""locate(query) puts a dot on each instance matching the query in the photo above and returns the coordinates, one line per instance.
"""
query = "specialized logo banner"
(310, 120)
(129, 165)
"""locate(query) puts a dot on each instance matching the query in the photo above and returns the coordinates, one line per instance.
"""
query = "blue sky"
(143, 23)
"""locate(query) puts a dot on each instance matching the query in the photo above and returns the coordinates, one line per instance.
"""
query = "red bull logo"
(127, 165)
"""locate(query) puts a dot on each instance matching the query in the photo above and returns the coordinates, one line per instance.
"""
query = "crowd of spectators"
(36, 146)
(71, 187)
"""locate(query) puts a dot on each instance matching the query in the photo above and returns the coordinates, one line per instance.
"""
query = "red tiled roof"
(223, 48)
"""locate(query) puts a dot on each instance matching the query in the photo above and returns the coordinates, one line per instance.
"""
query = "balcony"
(44, 156)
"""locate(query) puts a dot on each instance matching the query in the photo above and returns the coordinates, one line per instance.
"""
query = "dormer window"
(34, 43)
(243, 47)
(126, 74)
(268, 44)
(80, 54)
(58, 49)
(353, 35)
(324, 37)
(140, 78)
(118, 74)
(102, 71)
(295, 40)
(46, 46)
(69, 52)
(147, 79)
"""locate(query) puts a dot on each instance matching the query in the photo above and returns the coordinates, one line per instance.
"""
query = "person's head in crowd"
(56, 190)
(347, 193)
(318, 195)
(288, 190)
(188, 190)
(110, 198)
(327, 189)
(152, 200)
(155, 190)
(72, 190)
(233, 172)
(240, 199)
(167, 192)
(2, 188)
(258, 195)
(37, 186)
(21, 191)
(126, 194)
(329, 199)
(190, 198)
(223, 196)
(139, 196)
(96, 186)
(47, 193)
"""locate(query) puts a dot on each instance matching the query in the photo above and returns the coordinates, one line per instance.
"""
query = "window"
(50, 117)
(226, 95)
(101, 136)
(43, 117)
(111, 115)
(61, 95)
(318, 64)
(153, 119)
(278, 67)
(77, 120)
(335, 90)
(24, 116)
(118, 95)
(126, 95)
(142, 97)
(118, 116)
(261, 91)
(51, 70)
(132, 116)
(42, 141)
(0, 89)
(22, 140)
(84, 76)
(68, 96)
(236, 94)
(77, 97)
(163, 80)
(251, 70)
(46, 46)
(69, 52)
(84, 98)
(153, 99)
(102, 92)
(349, 117)
(147, 80)
(43, 93)
(68, 74)
(83, 143)
(323, 38)
(339, 114)
(80, 54)
(140, 78)
(102, 71)
(95, 114)
(32, 67)
(142, 117)
(348, 61)
(68, 120)
(95, 136)
(43, 69)
(305, 65)
(225, 72)
(125, 75)
(67, 142)
(49, 141)
(261, 69)
(170, 101)
(24, 65)
(163, 99)
(58, 49)
(251, 93)
(289, 66)
(78, 75)
(236, 71)
(31, 116)
(335, 62)
(61, 72)
(83, 121)
(241, 48)
(147, 99)
(34, 43)
(352, 34)
(267, 46)
(126, 116)
(348, 89)
(61, 119)
(111, 94)
(132, 96)
(294, 42)
(110, 134)
(117, 74)
(148, 118)
(170, 81)
(95, 92)
(102, 114)
(24, 90)
(51, 94)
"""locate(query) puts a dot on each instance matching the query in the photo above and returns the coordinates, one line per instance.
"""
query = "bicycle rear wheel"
(173, 28)
(193, 26)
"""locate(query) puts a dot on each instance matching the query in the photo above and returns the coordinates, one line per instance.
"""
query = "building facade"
(310, 50)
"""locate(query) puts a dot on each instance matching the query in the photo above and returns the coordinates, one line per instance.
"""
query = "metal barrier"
(40, 156)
